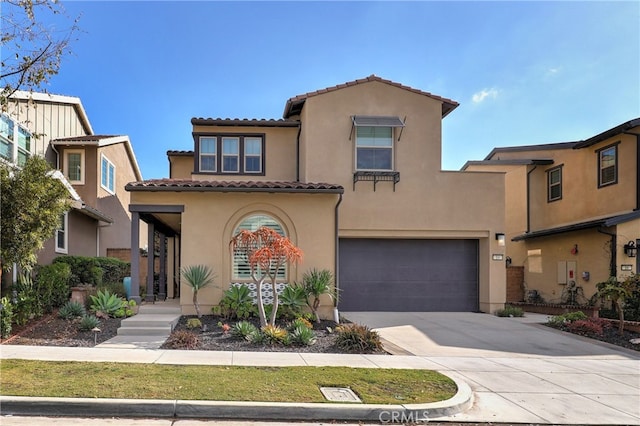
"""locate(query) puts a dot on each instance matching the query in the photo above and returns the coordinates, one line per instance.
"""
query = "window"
(208, 151)
(61, 234)
(108, 175)
(239, 154)
(554, 184)
(24, 146)
(608, 165)
(241, 269)
(374, 148)
(74, 166)
(230, 155)
(6, 137)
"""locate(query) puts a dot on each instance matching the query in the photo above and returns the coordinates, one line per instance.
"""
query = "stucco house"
(94, 168)
(352, 175)
(572, 212)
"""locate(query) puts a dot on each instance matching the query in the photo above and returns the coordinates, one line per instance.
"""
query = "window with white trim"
(241, 268)
(554, 184)
(74, 165)
(608, 165)
(107, 175)
(230, 154)
(15, 141)
(62, 237)
(374, 148)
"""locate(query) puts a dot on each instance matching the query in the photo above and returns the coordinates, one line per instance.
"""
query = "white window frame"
(111, 173)
(82, 165)
(392, 148)
(208, 154)
(63, 232)
(236, 155)
(261, 219)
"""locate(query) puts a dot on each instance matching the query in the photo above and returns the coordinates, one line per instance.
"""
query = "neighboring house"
(94, 168)
(572, 211)
(352, 175)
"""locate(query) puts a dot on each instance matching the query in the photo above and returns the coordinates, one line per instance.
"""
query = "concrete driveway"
(520, 371)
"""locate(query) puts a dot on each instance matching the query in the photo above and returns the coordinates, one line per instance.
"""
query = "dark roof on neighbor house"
(188, 153)
(294, 104)
(596, 223)
(511, 162)
(86, 138)
(186, 185)
(624, 127)
(538, 147)
(244, 122)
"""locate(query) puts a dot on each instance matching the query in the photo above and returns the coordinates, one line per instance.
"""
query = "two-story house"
(94, 168)
(352, 175)
(572, 211)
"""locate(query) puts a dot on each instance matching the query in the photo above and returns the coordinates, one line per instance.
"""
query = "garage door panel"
(408, 275)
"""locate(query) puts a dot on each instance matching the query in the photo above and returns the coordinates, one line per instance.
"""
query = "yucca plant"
(197, 277)
(316, 283)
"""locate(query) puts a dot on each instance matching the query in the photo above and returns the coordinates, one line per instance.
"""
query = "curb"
(236, 410)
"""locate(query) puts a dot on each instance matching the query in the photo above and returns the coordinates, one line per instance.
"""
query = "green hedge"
(94, 270)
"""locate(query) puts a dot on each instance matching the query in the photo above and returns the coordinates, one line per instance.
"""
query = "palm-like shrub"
(316, 283)
(197, 277)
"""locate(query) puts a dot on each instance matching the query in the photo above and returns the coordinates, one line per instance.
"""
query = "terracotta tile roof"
(294, 105)
(182, 185)
(181, 153)
(244, 122)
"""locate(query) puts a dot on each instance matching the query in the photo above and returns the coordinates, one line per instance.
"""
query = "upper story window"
(15, 145)
(230, 154)
(608, 165)
(74, 166)
(241, 268)
(62, 237)
(374, 148)
(554, 184)
(108, 175)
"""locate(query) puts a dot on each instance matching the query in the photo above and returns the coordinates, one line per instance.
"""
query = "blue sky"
(523, 72)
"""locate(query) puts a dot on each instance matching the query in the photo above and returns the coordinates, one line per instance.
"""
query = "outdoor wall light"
(500, 238)
(630, 249)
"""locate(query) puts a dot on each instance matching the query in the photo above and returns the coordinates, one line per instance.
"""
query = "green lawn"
(188, 382)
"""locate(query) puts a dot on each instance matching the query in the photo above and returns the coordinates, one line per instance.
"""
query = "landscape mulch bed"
(610, 335)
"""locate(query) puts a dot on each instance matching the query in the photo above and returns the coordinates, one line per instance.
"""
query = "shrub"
(274, 334)
(236, 303)
(585, 327)
(113, 270)
(52, 285)
(6, 317)
(197, 277)
(194, 323)
(356, 338)
(89, 322)
(510, 311)
(569, 317)
(243, 329)
(293, 299)
(116, 288)
(182, 339)
(298, 322)
(302, 335)
(71, 309)
(316, 283)
(28, 305)
(107, 303)
(84, 270)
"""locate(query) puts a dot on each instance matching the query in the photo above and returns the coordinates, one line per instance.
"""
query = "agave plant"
(197, 277)
(106, 302)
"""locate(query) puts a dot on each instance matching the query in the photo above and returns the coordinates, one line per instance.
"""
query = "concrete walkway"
(519, 372)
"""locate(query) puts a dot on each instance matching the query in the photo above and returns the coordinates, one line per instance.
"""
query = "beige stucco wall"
(180, 166)
(279, 152)
(81, 233)
(307, 218)
(628, 231)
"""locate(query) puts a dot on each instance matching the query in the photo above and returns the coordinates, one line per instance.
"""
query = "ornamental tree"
(31, 205)
(267, 253)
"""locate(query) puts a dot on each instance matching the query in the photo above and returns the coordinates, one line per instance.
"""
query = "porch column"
(150, 263)
(162, 291)
(135, 257)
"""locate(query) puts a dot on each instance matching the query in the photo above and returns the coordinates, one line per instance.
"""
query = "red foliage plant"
(586, 327)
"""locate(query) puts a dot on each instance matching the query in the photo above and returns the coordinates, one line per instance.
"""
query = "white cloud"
(484, 94)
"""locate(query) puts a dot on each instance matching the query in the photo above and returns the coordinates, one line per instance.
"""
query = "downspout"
(298, 152)
(336, 266)
(528, 198)
(613, 268)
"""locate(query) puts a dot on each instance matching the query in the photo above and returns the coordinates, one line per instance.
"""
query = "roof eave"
(621, 128)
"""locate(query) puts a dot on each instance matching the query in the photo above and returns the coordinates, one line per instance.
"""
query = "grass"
(218, 383)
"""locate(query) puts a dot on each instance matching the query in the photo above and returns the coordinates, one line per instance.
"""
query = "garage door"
(408, 275)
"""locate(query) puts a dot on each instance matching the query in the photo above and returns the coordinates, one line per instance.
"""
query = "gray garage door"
(408, 275)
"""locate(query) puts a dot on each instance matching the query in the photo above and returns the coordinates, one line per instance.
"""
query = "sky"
(523, 72)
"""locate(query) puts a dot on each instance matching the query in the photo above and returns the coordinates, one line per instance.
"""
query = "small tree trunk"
(276, 302)
(316, 305)
(261, 314)
(195, 303)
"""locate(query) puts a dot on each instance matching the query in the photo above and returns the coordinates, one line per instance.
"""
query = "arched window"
(241, 269)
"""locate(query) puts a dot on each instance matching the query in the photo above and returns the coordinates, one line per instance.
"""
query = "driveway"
(520, 371)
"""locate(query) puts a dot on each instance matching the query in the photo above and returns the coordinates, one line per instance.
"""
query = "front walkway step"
(145, 331)
(134, 342)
